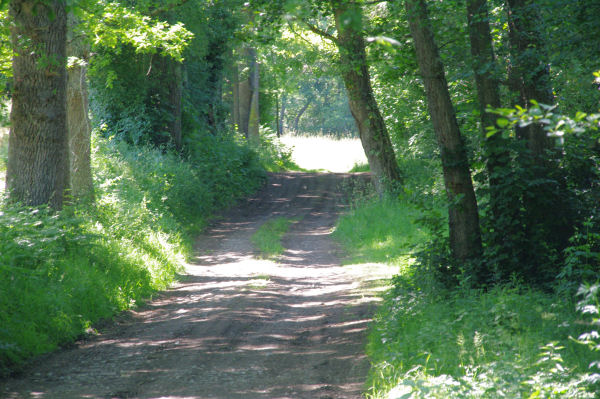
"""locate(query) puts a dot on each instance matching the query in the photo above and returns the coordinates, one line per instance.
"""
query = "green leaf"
(502, 122)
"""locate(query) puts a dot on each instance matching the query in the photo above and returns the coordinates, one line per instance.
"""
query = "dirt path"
(235, 326)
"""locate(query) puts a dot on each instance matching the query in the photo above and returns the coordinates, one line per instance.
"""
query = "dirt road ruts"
(235, 326)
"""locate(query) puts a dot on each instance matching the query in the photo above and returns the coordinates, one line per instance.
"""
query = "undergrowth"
(273, 155)
(62, 272)
(431, 341)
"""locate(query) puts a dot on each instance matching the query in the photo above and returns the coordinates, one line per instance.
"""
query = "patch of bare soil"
(235, 326)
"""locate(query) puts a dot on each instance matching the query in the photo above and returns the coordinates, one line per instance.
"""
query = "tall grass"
(428, 341)
(62, 272)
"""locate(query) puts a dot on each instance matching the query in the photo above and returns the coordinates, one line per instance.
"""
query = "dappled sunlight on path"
(236, 326)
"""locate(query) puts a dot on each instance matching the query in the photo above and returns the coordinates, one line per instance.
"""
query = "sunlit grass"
(267, 239)
(428, 341)
(326, 153)
(380, 230)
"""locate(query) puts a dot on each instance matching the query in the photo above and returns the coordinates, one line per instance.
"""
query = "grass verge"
(62, 272)
(430, 342)
(267, 239)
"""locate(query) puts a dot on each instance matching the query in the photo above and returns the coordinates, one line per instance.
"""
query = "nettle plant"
(589, 307)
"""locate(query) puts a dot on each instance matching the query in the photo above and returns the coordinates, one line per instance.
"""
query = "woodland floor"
(236, 326)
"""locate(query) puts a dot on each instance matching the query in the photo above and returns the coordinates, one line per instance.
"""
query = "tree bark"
(301, 112)
(254, 116)
(78, 121)
(235, 82)
(282, 115)
(176, 102)
(244, 103)
(465, 236)
(529, 74)
(488, 95)
(355, 73)
(38, 160)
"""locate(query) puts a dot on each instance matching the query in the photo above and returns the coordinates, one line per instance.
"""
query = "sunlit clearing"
(325, 152)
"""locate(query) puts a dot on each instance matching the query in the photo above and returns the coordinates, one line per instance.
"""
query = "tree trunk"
(78, 121)
(235, 83)
(254, 116)
(529, 74)
(300, 113)
(355, 72)
(245, 99)
(38, 159)
(176, 102)
(465, 236)
(488, 95)
(282, 115)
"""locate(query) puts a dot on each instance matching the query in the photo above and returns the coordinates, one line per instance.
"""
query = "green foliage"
(517, 207)
(274, 156)
(61, 273)
(6, 54)
(267, 239)
(110, 25)
(507, 342)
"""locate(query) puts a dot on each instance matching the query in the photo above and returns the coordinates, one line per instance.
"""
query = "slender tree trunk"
(245, 99)
(301, 112)
(355, 72)
(254, 116)
(78, 121)
(38, 160)
(488, 95)
(529, 74)
(282, 114)
(235, 83)
(465, 236)
(176, 101)
(484, 61)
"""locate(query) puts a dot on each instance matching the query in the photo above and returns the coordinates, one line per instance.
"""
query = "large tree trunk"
(465, 236)
(38, 161)
(78, 122)
(301, 112)
(355, 72)
(529, 74)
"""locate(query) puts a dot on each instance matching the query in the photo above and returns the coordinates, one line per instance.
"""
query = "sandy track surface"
(236, 326)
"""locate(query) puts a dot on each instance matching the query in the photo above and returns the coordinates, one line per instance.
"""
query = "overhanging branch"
(318, 31)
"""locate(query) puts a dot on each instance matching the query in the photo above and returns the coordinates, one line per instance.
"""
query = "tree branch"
(319, 32)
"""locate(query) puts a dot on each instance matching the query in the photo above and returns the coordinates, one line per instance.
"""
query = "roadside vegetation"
(62, 272)
(440, 337)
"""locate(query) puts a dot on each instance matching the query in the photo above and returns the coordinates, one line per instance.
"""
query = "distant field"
(325, 152)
